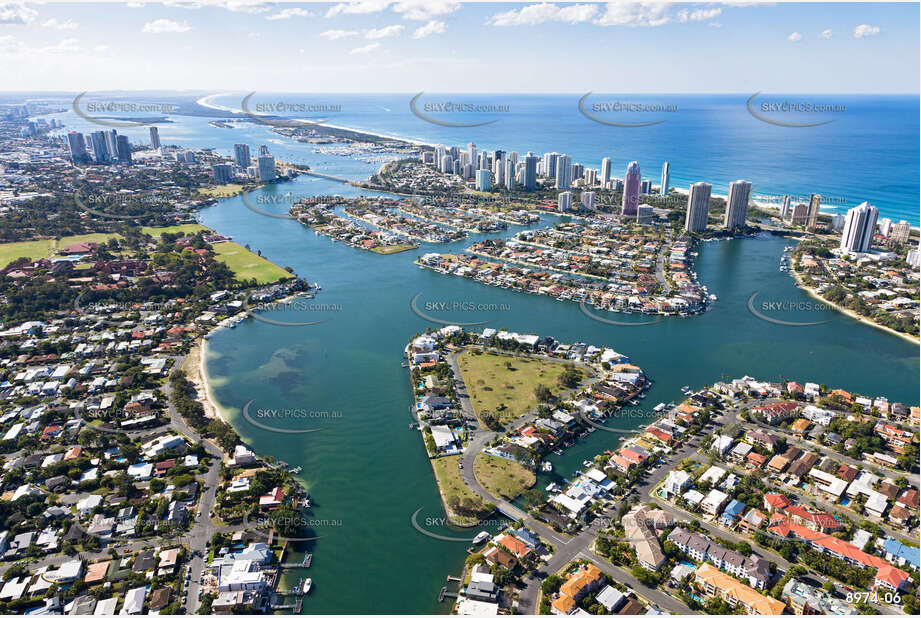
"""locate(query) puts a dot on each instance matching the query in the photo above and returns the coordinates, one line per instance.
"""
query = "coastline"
(801, 285)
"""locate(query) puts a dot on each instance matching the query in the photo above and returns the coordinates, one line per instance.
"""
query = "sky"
(447, 46)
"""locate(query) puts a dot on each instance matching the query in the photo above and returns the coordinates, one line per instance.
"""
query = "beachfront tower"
(737, 204)
(859, 227)
(605, 172)
(663, 183)
(695, 220)
(632, 181)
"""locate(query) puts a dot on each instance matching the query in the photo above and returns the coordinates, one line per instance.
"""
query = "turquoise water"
(369, 471)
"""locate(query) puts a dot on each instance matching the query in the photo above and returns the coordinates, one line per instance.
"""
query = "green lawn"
(393, 249)
(185, 228)
(221, 190)
(492, 384)
(98, 238)
(32, 249)
(455, 491)
(501, 477)
(247, 265)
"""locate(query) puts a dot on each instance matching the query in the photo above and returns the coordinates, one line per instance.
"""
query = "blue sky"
(445, 46)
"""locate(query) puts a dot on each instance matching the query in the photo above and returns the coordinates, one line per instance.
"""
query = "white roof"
(134, 601)
(106, 607)
(471, 607)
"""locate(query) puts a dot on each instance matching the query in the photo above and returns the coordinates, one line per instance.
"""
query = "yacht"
(551, 487)
(547, 467)
(307, 585)
(482, 536)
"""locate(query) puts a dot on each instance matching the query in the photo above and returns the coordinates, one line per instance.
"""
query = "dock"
(444, 593)
(303, 564)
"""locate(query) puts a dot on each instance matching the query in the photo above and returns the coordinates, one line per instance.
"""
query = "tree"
(543, 394)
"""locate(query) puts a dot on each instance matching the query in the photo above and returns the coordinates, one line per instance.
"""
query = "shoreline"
(856, 316)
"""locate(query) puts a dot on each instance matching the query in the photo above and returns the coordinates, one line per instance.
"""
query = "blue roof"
(912, 555)
(734, 508)
(530, 539)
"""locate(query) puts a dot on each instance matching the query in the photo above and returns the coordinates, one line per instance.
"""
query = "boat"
(586, 463)
(481, 537)
(307, 584)
(551, 487)
(547, 467)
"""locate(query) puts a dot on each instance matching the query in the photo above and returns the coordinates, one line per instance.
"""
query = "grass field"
(454, 490)
(185, 228)
(501, 477)
(221, 190)
(247, 265)
(492, 384)
(394, 249)
(32, 249)
(98, 238)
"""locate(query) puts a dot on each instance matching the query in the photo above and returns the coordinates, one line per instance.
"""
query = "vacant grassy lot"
(221, 190)
(32, 249)
(505, 384)
(247, 265)
(394, 249)
(455, 492)
(98, 238)
(185, 228)
(501, 477)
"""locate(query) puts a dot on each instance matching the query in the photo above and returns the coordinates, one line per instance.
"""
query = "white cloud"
(534, 14)
(366, 49)
(101, 49)
(385, 32)
(825, 34)
(795, 36)
(433, 27)
(699, 15)
(865, 30)
(65, 46)
(60, 25)
(425, 10)
(714, 24)
(634, 15)
(236, 6)
(16, 13)
(159, 26)
(335, 35)
(358, 7)
(289, 13)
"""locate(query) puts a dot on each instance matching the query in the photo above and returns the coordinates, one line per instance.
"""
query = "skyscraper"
(695, 220)
(644, 214)
(785, 208)
(737, 204)
(632, 182)
(799, 214)
(550, 164)
(447, 164)
(482, 180)
(100, 150)
(471, 153)
(814, 201)
(529, 179)
(154, 138)
(265, 164)
(498, 168)
(563, 172)
(241, 155)
(859, 227)
(646, 187)
(885, 226)
(510, 174)
(112, 144)
(77, 147)
(123, 149)
(588, 200)
(605, 172)
(222, 173)
(663, 183)
(564, 201)
(900, 232)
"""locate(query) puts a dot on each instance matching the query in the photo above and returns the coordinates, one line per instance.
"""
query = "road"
(566, 549)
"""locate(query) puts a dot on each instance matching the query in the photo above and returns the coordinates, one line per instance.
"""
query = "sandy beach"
(197, 374)
(850, 313)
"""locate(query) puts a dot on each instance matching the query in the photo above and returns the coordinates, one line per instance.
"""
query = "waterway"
(367, 472)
